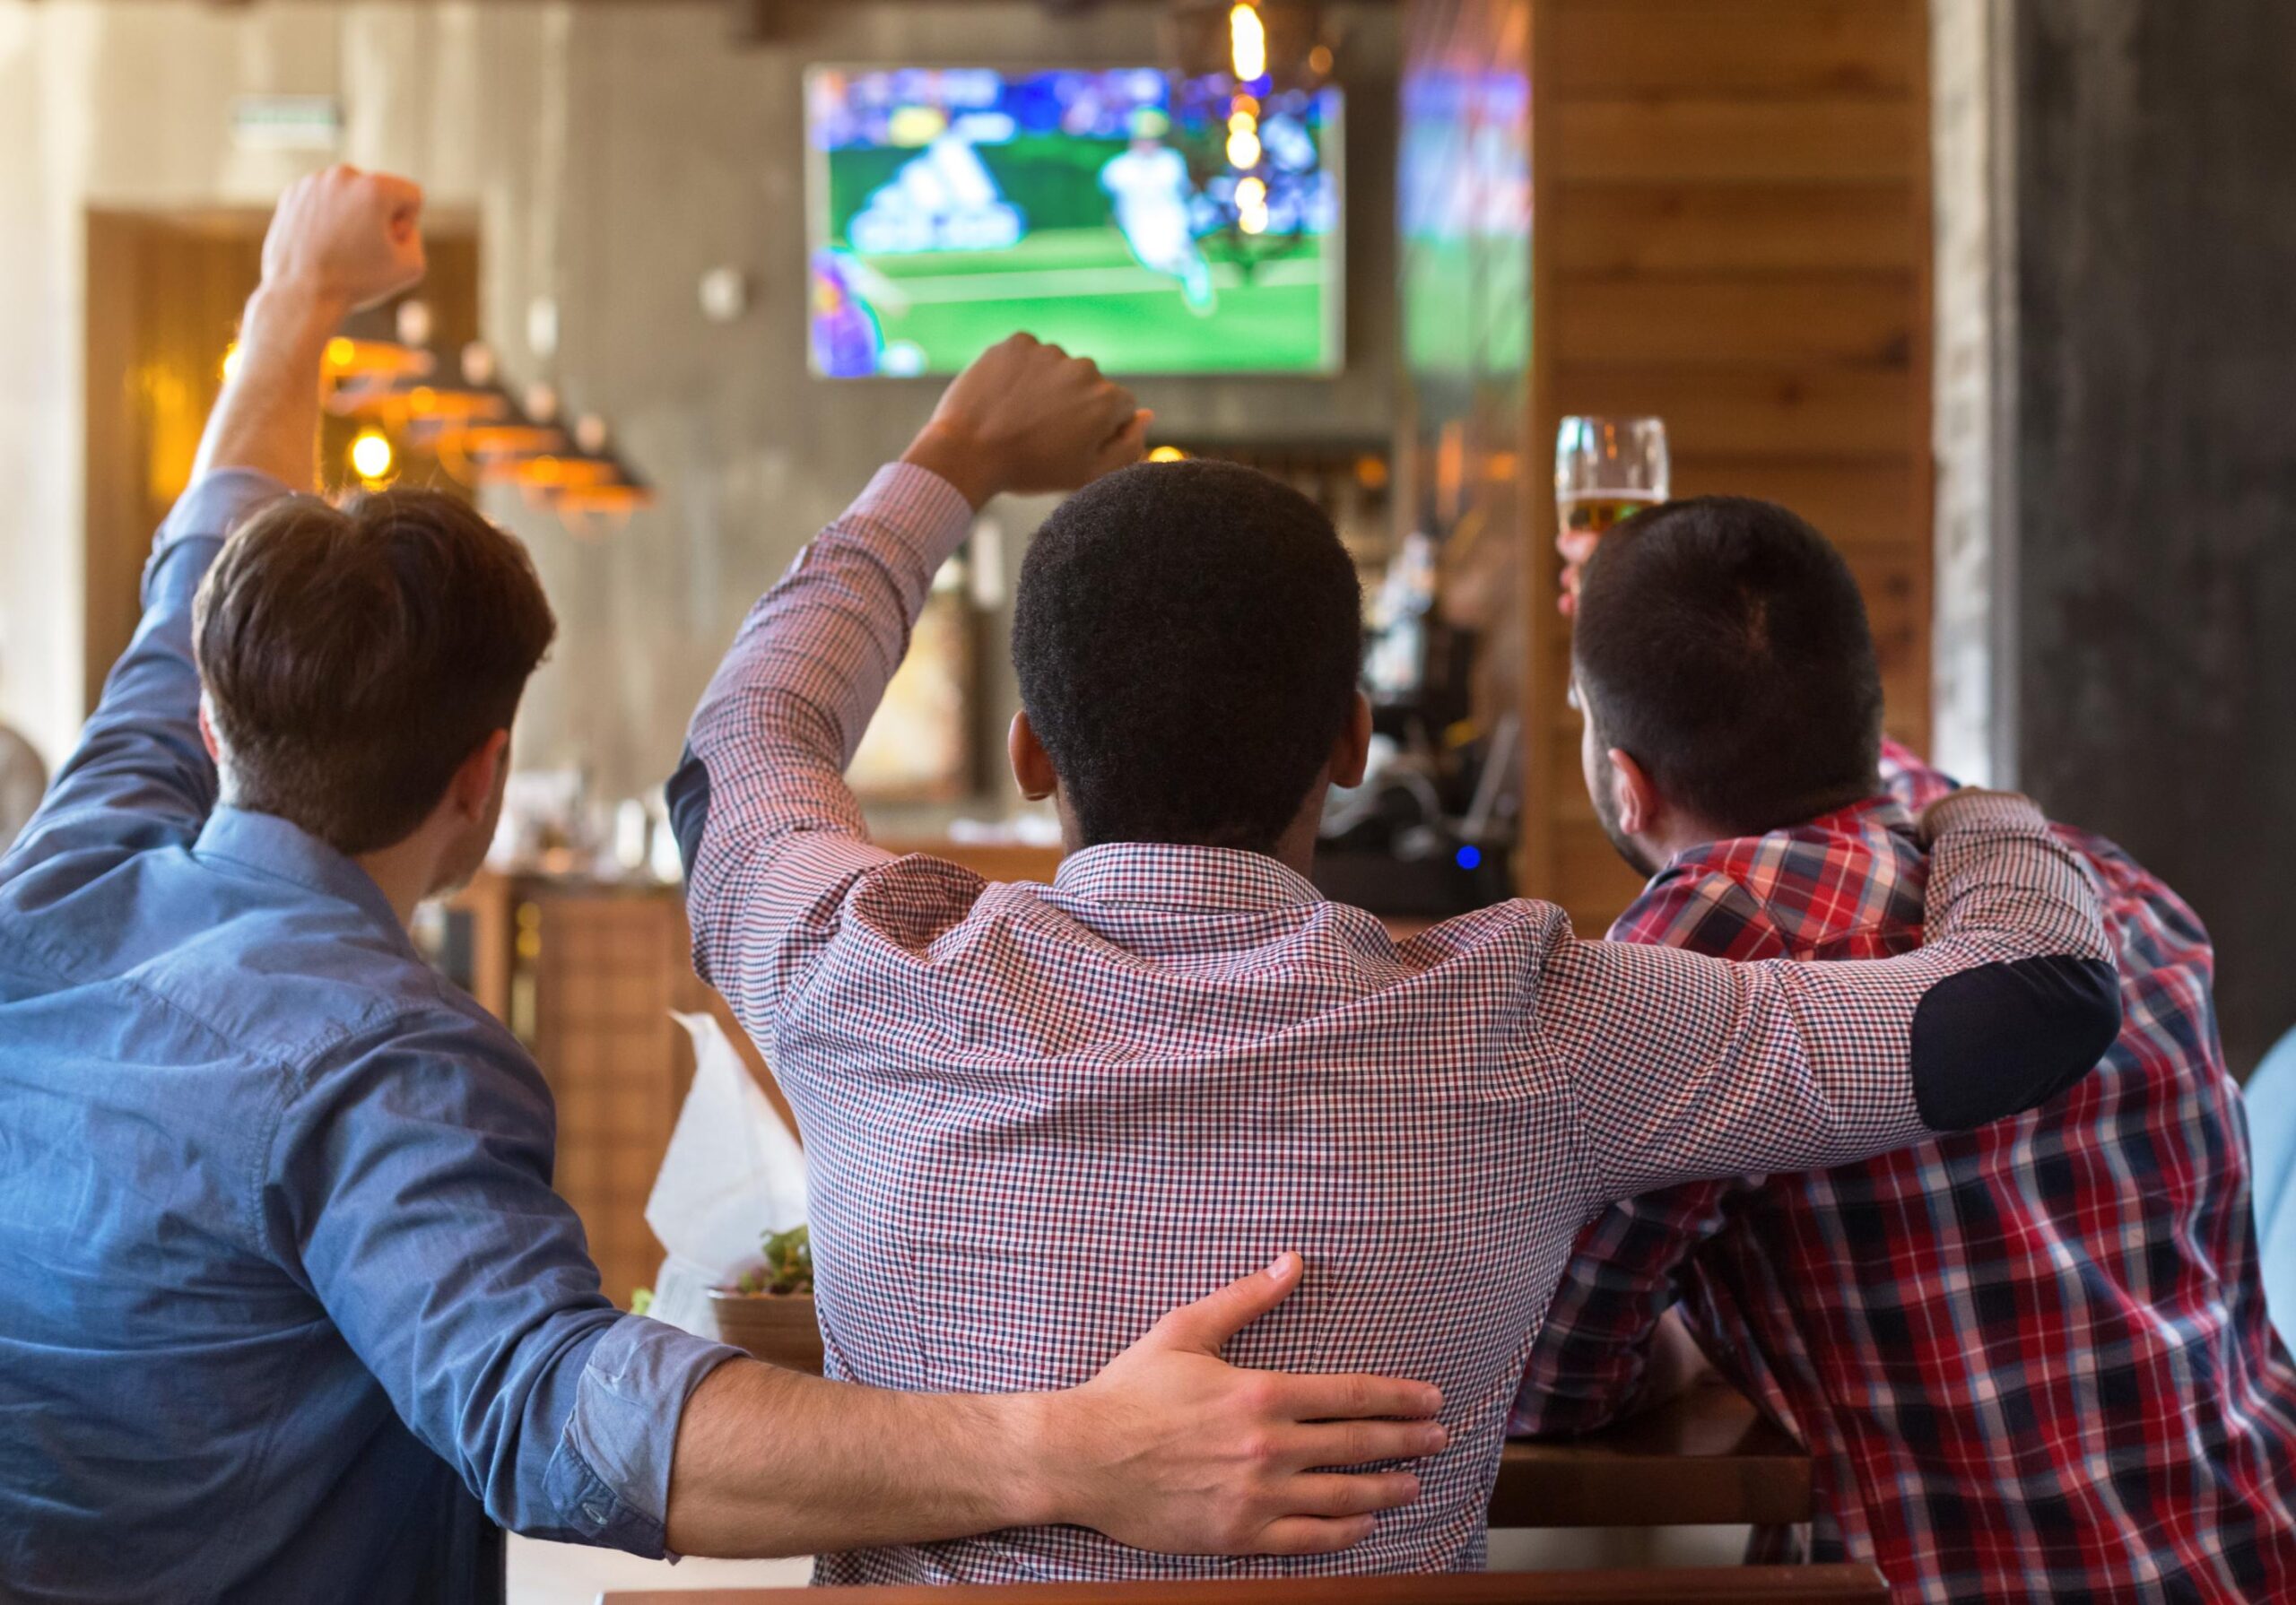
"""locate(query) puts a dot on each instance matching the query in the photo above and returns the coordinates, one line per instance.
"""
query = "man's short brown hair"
(354, 657)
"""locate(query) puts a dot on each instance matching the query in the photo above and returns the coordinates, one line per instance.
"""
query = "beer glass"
(1606, 469)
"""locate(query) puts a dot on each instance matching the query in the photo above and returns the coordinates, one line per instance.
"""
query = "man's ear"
(471, 790)
(1353, 750)
(1031, 764)
(207, 732)
(1635, 799)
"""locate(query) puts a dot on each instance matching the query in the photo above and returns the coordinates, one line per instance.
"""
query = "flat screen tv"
(1101, 209)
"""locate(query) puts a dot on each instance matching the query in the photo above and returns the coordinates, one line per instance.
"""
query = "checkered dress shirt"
(1037, 1117)
(2031, 1359)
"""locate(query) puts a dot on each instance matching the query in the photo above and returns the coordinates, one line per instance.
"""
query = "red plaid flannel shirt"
(2031, 1359)
(1037, 1117)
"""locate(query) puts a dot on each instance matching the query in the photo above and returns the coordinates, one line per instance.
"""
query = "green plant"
(788, 1265)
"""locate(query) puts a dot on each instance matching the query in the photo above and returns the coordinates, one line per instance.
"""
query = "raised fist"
(1028, 417)
(346, 237)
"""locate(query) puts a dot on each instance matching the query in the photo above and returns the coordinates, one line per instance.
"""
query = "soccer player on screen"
(1149, 184)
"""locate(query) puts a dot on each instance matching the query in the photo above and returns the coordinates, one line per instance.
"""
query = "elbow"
(687, 798)
(2001, 1038)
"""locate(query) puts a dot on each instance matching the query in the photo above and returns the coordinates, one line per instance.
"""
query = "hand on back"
(1188, 1454)
(1028, 417)
(346, 237)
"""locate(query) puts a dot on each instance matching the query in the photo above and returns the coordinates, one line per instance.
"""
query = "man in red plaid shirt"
(2031, 1360)
(1036, 1116)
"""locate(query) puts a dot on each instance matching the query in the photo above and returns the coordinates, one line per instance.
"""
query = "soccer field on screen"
(1083, 289)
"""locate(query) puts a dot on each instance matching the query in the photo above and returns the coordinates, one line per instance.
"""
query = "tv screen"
(1103, 210)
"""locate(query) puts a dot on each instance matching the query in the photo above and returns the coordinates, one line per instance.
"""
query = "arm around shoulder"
(2039, 1002)
(1687, 1067)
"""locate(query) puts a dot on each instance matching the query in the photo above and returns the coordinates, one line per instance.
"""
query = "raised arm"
(1685, 1066)
(142, 777)
(771, 834)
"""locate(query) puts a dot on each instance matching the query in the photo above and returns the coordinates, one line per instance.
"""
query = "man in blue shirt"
(292, 1313)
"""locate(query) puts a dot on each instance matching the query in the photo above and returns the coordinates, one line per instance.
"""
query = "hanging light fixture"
(372, 459)
(480, 433)
(1253, 70)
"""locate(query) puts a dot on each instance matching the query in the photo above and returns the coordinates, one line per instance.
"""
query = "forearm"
(1688, 1068)
(765, 753)
(812, 661)
(771, 1463)
(1610, 1329)
(2002, 886)
(267, 418)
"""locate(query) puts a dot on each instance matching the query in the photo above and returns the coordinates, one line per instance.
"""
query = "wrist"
(958, 457)
(1041, 1475)
(292, 310)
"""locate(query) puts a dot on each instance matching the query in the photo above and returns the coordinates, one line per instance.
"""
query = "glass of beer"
(1606, 469)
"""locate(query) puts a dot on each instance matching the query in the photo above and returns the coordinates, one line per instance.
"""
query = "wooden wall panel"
(1767, 320)
(1620, 231)
(1733, 233)
(1663, 48)
(1809, 412)
(1644, 140)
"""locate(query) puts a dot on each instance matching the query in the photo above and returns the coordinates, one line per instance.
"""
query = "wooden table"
(1657, 1585)
(1705, 1458)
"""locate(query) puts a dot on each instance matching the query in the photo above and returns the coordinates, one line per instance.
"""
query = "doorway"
(165, 292)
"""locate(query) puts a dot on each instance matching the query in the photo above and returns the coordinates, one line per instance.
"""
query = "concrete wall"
(612, 154)
(1973, 234)
(2156, 441)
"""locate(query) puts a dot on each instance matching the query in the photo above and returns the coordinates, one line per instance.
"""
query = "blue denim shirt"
(288, 1309)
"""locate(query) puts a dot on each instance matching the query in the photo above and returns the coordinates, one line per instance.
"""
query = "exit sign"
(287, 122)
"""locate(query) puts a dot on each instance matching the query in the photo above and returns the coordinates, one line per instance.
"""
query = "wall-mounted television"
(1101, 209)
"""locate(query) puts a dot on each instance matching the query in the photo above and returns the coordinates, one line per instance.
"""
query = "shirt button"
(595, 1513)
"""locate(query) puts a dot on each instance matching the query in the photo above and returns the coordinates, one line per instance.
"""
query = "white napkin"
(734, 1172)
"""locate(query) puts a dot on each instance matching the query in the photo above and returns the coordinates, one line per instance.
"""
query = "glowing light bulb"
(230, 360)
(339, 352)
(1247, 42)
(371, 456)
(1251, 207)
(1167, 453)
(1243, 140)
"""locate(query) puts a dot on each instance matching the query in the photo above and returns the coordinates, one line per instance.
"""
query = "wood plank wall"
(1732, 231)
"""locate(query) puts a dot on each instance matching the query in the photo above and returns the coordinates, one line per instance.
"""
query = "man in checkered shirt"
(2032, 1360)
(1038, 1115)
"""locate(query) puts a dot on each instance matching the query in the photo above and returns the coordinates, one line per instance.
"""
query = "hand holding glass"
(1606, 469)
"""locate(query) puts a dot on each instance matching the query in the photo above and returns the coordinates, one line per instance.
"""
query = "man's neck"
(1681, 833)
(1295, 849)
(404, 871)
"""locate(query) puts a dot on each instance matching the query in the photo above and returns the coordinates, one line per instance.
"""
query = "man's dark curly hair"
(1188, 636)
(1722, 643)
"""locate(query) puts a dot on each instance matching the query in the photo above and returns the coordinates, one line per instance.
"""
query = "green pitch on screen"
(1073, 280)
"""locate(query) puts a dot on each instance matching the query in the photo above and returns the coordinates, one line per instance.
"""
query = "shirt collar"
(270, 846)
(1166, 875)
(1880, 812)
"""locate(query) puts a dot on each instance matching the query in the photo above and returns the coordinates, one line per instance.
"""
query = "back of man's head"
(354, 658)
(1188, 636)
(1721, 643)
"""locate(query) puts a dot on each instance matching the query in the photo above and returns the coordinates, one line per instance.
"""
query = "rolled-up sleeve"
(612, 1466)
(410, 1187)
